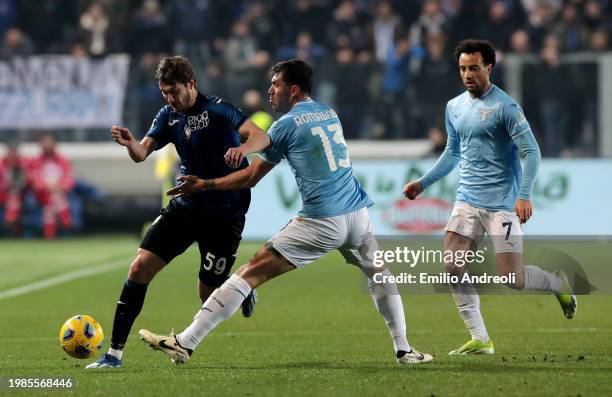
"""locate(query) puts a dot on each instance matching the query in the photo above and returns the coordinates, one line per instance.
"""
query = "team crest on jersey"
(195, 123)
(484, 113)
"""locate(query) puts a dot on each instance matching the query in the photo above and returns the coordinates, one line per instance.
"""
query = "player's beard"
(279, 104)
(475, 89)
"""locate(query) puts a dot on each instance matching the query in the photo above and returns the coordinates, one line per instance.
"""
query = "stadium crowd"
(36, 193)
(385, 65)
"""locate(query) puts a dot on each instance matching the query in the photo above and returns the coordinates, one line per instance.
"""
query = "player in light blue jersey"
(334, 215)
(487, 132)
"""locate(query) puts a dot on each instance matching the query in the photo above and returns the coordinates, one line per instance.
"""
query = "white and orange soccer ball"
(81, 336)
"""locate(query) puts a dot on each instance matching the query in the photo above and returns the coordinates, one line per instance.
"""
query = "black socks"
(129, 306)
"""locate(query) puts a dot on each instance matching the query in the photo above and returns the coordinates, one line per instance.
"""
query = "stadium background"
(74, 67)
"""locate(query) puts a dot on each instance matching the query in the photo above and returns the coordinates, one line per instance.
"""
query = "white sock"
(537, 279)
(115, 353)
(389, 304)
(219, 306)
(468, 303)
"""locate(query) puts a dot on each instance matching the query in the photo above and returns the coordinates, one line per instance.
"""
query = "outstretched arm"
(138, 151)
(256, 141)
(445, 164)
(243, 179)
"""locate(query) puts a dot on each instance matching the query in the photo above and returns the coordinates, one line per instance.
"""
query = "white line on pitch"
(62, 278)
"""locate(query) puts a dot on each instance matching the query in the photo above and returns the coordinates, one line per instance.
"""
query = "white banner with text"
(57, 91)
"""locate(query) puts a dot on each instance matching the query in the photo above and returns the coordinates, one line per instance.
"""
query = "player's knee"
(253, 272)
(142, 269)
(265, 265)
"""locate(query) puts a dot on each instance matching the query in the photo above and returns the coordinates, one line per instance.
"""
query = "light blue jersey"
(484, 136)
(310, 137)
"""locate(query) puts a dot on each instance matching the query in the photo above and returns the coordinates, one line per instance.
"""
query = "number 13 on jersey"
(338, 139)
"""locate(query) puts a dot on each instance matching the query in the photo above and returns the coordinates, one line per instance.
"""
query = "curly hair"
(470, 46)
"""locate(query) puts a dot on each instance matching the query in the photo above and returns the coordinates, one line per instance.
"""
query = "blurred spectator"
(351, 76)
(254, 109)
(552, 82)
(78, 50)
(147, 97)
(13, 183)
(588, 97)
(8, 15)
(262, 25)
(540, 21)
(467, 22)
(302, 16)
(519, 42)
(94, 25)
(47, 22)
(52, 181)
(385, 23)
(15, 43)
(304, 49)
(499, 25)
(598, 41)
(194, 22)
(594, 17)
(394, 103)
(438, 81)
(244, 62)
(570, 29)
(531, 6)
(213, 80)
(149, 30)
(437, 138)
(346, 28)
(432, 21)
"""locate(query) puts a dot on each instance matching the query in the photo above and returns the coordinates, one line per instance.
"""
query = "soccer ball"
(81, 336)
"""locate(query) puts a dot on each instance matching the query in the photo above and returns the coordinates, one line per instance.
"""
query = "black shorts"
(218, 237)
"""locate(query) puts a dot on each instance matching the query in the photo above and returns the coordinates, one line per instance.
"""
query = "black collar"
(197, 105)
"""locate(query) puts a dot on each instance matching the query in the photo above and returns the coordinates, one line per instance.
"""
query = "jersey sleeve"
(159, 130)
(229, 112)
(279, 139)
(530, 150)
(514, 120)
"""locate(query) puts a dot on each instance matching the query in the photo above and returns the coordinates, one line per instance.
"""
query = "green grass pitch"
(315, 332)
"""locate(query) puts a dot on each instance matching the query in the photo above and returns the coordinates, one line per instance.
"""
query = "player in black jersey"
(206, 132)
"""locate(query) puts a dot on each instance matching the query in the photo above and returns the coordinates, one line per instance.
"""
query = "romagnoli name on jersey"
(314, 117)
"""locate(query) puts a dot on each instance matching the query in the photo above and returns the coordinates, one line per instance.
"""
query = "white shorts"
(304, 240)
(503, 227)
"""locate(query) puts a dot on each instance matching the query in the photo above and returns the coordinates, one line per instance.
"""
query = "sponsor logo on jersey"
(423, 215)
(195, 123)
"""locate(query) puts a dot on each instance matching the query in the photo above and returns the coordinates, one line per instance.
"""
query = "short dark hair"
(470, 46)
(295, 71)
(174, 69)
